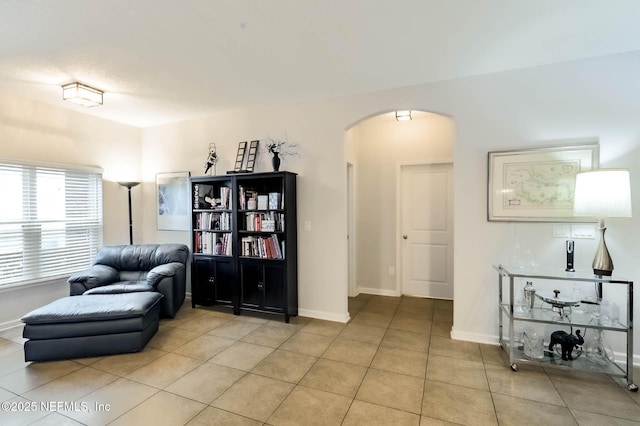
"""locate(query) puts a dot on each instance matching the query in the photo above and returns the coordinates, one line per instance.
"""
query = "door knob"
(404, 237)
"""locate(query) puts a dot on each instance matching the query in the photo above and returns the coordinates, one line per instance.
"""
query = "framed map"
(537, 185)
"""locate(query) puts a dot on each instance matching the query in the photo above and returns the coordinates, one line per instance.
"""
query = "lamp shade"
(603, 193)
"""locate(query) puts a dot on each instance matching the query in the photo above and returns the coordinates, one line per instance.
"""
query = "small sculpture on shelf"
(567, 341)
(212, 159)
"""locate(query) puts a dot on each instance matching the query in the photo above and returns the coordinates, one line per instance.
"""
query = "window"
(50, 221)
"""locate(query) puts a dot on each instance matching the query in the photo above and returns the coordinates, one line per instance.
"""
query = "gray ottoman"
(91, 325)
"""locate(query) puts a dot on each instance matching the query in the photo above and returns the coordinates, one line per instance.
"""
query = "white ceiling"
(162, 61)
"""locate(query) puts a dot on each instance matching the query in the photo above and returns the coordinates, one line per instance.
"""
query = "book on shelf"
(276, 247)
(213, 221)
(202, 196)
(264, 222)
(212, 243)
(268, 225)
(274, 200)
(263, 202)
(225, 197)
(262, 247)
(242, 199)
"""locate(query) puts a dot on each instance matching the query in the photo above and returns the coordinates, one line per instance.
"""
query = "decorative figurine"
(567, 341)
(212, 159)
(279, 149)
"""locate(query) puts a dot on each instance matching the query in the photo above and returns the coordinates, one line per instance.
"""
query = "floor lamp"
(130, 185)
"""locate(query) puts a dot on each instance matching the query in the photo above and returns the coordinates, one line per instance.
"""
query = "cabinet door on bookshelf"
(274, 287)
(213, 281)
(262, 286)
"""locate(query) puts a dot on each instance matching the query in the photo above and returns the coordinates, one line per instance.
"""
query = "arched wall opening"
(377, 147)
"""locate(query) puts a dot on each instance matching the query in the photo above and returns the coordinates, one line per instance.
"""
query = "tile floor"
(393, 364)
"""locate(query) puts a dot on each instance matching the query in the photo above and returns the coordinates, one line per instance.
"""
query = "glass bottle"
(529, 296)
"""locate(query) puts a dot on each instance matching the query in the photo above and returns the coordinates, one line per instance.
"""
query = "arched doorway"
(379, 150)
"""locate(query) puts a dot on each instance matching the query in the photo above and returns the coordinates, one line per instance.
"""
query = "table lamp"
(602, 194)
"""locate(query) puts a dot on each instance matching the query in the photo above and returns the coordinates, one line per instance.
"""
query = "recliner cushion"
(141, 257)
(97, 275)
(95, 307)
(121, 287)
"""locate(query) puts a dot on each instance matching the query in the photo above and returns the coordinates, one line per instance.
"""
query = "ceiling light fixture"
(82, 94)
(403, 115)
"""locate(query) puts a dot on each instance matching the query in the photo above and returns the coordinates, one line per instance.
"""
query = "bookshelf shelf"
(244, 240)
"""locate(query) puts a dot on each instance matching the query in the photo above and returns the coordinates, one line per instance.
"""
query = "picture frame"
(242, 148)
(253, 152)
(173, 201)
(537, 184)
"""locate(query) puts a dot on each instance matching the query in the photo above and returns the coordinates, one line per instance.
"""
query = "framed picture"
(173, 201)
(537, 185)
(242, 149)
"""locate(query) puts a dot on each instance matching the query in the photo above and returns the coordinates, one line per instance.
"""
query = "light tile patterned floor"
(393, 364)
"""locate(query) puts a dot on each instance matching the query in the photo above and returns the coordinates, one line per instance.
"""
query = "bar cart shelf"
(509, 315)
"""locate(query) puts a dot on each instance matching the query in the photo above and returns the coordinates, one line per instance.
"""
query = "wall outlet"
(392, 270)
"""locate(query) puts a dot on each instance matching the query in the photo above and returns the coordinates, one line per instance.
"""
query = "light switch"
(307, 225)
(586, 230)
(561, 231)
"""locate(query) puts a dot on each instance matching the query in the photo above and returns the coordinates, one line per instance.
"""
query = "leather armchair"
(133, 268)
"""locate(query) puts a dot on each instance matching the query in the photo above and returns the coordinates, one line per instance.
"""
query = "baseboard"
(10, 324)
(322, 315)
(378, 291)
(311, 314)
(486, 339)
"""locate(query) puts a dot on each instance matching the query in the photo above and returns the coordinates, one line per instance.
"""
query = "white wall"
(38, 132)
(526, 108)
(321, 194)
(382, 145)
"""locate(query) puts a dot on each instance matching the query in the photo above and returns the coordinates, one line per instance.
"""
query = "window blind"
(50, 221)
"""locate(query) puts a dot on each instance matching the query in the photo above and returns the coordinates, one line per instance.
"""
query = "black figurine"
(567, 341)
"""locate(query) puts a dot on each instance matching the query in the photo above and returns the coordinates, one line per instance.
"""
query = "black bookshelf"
(244, 241)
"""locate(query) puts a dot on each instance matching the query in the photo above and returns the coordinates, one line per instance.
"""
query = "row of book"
(251, 200)
(264, 222)
(263, 247)
(214, 243)
(214, 221)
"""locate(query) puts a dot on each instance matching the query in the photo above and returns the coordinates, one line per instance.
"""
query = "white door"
(427, 230)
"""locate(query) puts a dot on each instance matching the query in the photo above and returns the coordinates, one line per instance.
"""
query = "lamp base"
(602, 262)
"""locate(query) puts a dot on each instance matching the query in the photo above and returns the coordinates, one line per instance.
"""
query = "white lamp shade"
(603, 193)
